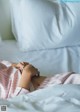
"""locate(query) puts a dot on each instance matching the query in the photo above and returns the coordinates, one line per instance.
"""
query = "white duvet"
(59, 98)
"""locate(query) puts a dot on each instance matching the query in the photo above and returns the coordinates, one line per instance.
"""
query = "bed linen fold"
(59, 98)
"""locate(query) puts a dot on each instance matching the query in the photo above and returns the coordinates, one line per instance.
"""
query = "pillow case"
(40, 24)
(15, 11)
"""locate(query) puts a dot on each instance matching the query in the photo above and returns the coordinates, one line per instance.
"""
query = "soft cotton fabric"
(9, 78)
(39, 24)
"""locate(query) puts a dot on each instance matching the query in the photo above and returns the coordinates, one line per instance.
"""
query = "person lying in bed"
(16, 79)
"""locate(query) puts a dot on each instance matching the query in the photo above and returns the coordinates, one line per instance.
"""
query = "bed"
(59, 98)
(51, 51)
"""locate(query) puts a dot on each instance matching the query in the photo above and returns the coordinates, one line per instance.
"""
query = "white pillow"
(15, 11)
(40, 24)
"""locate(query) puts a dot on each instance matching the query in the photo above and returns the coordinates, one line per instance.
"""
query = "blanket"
(59, 98)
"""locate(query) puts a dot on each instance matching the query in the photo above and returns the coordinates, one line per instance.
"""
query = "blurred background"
(5, 26)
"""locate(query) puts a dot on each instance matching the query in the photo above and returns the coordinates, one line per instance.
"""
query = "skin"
(29, 74)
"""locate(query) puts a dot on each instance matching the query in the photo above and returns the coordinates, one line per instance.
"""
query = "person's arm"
(28, 72)
(25, 80)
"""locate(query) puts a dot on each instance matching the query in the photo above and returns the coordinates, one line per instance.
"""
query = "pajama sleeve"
(20, 91)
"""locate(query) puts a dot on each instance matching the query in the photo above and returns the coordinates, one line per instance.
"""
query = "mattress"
(49, 62)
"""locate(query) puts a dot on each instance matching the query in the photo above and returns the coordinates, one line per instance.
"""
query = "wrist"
(25, 81)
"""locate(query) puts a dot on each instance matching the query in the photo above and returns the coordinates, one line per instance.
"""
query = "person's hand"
(30, 69)
(20, 65)
(28, 73)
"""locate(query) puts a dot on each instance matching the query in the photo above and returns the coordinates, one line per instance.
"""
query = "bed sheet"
(59, 98)
(49, 62)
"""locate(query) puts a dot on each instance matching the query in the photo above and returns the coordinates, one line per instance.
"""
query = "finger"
(21, 63)
(20, 66)
(26, 63)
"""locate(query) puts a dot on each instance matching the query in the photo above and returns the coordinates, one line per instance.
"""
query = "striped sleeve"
(20, 91)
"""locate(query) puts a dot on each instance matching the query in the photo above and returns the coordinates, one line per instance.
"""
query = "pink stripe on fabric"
(20, 91)
(9, 79)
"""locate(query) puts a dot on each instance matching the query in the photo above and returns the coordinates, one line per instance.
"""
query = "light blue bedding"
(49, 62)
(60, 98)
